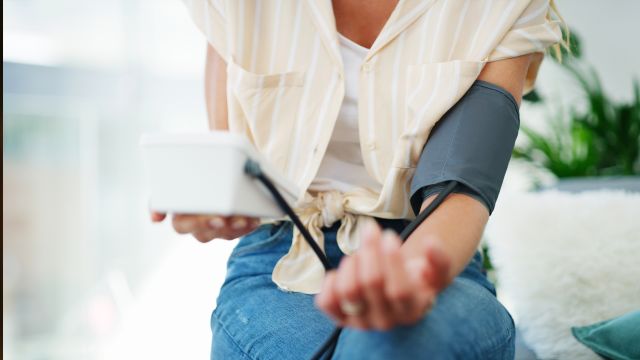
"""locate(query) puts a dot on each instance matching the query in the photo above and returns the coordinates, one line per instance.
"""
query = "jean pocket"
(265, 237)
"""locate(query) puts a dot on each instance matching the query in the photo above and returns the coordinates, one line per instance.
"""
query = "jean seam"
(510, 325)
(510, 333)
(231, 338)
(503, 344)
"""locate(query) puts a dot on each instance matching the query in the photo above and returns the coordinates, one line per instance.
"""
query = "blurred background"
(85, 274)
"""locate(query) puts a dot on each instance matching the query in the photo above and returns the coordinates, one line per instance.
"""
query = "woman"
(342, 96)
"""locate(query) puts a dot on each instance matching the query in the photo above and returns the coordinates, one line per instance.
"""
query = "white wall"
(608, 33)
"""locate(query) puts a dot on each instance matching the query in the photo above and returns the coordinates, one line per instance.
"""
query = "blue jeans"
(255, 320)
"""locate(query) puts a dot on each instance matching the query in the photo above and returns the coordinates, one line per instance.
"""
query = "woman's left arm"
(393, 283)
(456, 227)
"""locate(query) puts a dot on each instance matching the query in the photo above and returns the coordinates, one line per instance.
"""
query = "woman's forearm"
(455, 227)
(457, 224)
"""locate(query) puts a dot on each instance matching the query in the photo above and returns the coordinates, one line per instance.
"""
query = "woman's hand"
(379, 287)
(208, 227)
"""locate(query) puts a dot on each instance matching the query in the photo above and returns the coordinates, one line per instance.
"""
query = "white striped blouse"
(285, 85)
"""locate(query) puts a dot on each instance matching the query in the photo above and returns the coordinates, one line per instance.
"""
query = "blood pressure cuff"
(472, 144)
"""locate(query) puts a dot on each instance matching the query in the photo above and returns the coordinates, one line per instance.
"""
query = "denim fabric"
(256, 320)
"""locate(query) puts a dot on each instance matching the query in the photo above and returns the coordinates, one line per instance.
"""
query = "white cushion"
(566, 260)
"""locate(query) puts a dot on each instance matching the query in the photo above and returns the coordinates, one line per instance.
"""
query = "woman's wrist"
(445, 232)
(416, 246)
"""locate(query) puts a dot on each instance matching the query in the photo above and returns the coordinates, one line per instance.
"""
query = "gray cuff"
(471, 144)
(431, 190)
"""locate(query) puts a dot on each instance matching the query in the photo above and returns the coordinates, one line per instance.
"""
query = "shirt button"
(371, 145)
(367, 67)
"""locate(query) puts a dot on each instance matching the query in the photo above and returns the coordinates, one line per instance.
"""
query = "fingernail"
(389, 243)
(368, 230)
(216, 222)
(372, 226)
(239, 223)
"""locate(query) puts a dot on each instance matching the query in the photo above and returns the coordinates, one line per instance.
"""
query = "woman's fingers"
(183, 224)
(217, 222)
(350, 293)
(372, 278)
(205, 236)
(436, 271)
(232, 227)
(380, 287)
(186, 224)
(399, 289)
(327, 300)
(431, 276)
(157, 216)
(207, 227)
(239, 226)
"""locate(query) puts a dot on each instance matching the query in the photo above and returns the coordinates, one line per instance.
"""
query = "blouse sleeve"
(532, 32)
(209, 18)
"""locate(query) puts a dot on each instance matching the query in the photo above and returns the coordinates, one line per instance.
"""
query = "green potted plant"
(590, 148)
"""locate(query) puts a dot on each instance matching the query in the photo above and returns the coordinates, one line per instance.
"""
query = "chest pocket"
(269, 107)
(432, 89)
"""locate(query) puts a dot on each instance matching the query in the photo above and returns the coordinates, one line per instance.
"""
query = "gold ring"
(351, 308)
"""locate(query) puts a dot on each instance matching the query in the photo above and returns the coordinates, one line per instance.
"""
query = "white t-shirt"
(342, 167)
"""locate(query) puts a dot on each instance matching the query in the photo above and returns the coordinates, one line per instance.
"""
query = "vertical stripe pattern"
(285, 87)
